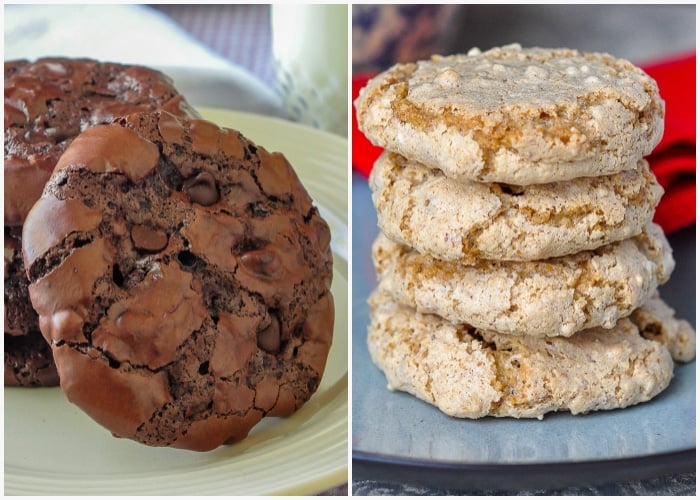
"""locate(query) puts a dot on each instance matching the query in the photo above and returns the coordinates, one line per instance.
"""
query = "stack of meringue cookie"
(517, 262)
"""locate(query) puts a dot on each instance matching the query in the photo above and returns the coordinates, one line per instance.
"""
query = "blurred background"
(385, 34)
(247, 41)
(298, 51)
(222, 56)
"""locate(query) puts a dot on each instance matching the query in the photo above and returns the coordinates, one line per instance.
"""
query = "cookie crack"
(263, 411)
(470, 250)
(90, 350)
(56, 255)
(253, 172)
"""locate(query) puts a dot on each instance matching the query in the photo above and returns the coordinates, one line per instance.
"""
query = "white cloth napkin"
(136, 34)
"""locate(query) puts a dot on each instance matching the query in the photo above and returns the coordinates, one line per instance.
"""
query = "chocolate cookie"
(182, 277)
(29, 362)
(50, 101)
(47, 103)
(28, 359)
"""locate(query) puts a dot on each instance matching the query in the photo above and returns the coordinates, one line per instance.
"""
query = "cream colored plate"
(51, 447)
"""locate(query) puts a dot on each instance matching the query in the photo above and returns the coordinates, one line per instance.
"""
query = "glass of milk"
(310, 52)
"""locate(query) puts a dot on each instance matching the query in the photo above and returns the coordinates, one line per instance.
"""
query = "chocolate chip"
(148, 239)
(269, 337)
(117, 275)
(187, 259)
(263, 263)
(170, 175)
(202, 189)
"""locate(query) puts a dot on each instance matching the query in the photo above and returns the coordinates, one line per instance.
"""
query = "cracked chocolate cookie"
(28, 359)
(468, 372)
(551, 297)
(47, 103)
(515, 115)
(467, 221)
(29, 362)
(182, 277)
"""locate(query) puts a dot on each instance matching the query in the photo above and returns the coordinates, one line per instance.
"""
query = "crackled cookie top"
(28, 358)
(182, 277)
(51, 100)
(47, 103)
(515, 115)
(467, 221)
(469, 372)
(551, 297)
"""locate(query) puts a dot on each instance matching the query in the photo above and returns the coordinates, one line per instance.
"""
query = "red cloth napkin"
(364, 153)
(672, 161)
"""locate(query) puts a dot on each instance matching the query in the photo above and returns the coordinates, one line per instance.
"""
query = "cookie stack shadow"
(517, 260)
